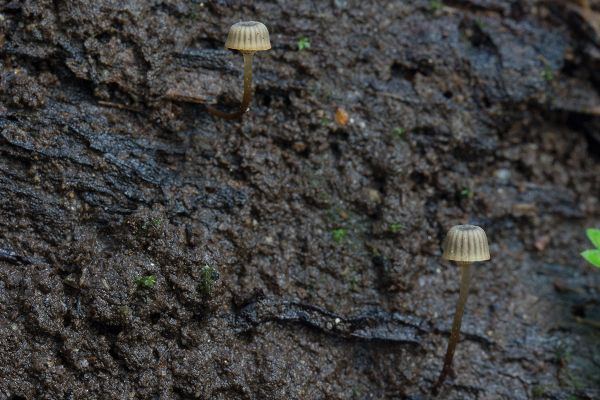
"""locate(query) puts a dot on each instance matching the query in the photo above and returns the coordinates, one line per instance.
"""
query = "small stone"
(503, 174)
(299, 147)
(542, 242)
(374, 196)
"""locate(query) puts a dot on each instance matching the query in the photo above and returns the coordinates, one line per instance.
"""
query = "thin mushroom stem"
(465, 281)
(245, 106)
(247, 96)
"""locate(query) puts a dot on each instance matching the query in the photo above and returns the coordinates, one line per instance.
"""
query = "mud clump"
(20, 90)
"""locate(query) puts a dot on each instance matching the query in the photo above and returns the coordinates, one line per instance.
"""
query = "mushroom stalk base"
(247, 97)
(465, 281)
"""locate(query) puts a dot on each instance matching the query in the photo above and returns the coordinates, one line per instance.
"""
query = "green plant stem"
(246, 98)
(465, 281)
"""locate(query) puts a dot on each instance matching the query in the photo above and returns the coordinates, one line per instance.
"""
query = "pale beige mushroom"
(247, 37)
(464, 244)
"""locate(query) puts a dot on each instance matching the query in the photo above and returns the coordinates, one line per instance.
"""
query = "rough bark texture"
(296, 257)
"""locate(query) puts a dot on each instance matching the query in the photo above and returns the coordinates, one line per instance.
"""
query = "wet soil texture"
(149, 250)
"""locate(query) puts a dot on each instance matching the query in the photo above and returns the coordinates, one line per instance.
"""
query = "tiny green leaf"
(303, 43)
(592, 256)
(398, 132)
(548, 73)
(325, 121)
(466, 193)
(480, 24)
(395, 228)
(436, 5)
(594, 236)
(146, 282)
(208, 276)
(339, 234)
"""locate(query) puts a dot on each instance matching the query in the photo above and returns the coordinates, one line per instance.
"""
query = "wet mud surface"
(151, 251)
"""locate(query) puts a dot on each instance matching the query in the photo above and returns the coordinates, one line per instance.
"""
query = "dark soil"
(296, 257)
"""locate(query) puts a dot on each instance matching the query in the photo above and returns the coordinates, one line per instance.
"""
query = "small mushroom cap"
(466, 243)
(248, 36)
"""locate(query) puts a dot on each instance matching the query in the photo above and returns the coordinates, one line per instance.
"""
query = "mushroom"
(247, 37)
(464, 244)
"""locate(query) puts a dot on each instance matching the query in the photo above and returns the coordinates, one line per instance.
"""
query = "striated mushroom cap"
(466, 243)
(248, 36)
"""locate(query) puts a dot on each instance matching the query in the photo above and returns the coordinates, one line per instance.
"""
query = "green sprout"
(480, 24)
(537, 391)
(548, 74)
(208, 276)
(146, 282)
(325, 121)
(156, 222)
(593, 255)
(339, 234)
(398, 132)
(436, 5)
(354, 280)
(303, 43)
(152, 224)
(466, 193)
(395, 228)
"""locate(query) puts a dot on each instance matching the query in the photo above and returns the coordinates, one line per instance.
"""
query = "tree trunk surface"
(149, 250)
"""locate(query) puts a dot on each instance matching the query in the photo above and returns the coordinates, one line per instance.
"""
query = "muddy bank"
(149, 250)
